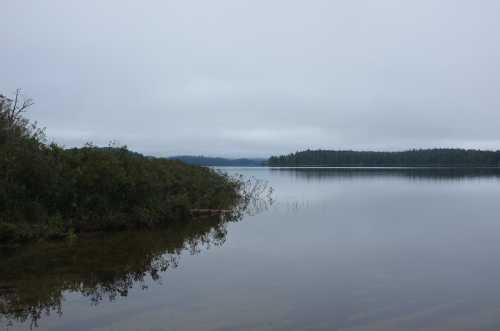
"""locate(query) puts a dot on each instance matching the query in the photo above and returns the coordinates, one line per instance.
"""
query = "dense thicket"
(47, 191)
(440, 157)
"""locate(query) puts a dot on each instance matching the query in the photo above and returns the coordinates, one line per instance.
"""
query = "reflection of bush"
(50, 192)
(104, 266)
(34, 278)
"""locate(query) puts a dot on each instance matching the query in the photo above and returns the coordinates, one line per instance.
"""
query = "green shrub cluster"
(47, 191)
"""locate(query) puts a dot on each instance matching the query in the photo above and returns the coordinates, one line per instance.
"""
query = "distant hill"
(219, 161)
(438, 157)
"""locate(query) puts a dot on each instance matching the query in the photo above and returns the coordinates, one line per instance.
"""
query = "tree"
(13, 124)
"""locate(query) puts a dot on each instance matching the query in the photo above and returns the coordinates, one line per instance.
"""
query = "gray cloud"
(254, 78)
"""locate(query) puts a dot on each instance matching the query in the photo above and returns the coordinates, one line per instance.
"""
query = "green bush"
(47, 191)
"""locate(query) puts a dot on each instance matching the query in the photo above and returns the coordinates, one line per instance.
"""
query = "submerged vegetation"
(437, 157)
(47, 191)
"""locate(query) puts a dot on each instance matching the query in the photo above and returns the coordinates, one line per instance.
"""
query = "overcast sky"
(255, 78)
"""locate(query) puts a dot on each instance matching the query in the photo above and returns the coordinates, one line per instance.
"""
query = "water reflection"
(35, 278)
(341, 249)
(409, 173)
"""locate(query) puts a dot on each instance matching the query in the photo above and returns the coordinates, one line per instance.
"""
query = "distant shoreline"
(357, 167)
(421, 158)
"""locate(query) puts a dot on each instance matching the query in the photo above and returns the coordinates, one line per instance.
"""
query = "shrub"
(47, 191)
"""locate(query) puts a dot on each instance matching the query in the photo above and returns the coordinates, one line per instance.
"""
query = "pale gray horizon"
(256, 78)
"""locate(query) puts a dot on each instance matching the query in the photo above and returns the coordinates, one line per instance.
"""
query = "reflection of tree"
(410, 173)
(34, 278)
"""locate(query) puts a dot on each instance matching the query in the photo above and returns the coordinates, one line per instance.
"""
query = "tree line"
(436, 157)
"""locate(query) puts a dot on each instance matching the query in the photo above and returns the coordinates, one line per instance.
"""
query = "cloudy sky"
(254, 78)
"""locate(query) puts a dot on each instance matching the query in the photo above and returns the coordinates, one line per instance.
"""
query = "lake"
(337, 249)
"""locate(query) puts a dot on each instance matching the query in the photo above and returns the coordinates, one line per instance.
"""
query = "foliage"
(48, 192)
(440, 157)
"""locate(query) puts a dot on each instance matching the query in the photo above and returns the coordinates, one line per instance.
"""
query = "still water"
(338, 249)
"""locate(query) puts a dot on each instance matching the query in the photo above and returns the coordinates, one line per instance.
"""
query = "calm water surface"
(339, 249)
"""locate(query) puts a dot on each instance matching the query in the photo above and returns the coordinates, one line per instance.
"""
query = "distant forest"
(438, 157)
(218, 161)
